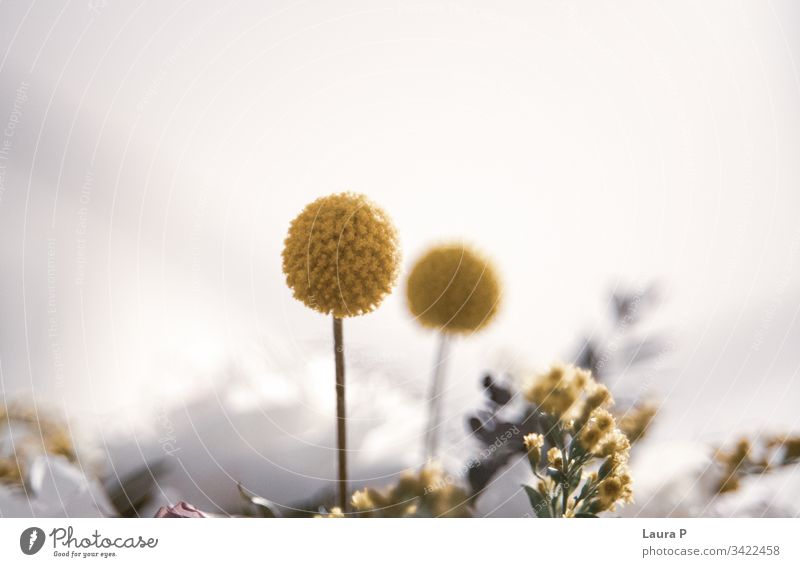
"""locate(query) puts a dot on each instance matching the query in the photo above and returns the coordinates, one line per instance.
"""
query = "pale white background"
(161, 149)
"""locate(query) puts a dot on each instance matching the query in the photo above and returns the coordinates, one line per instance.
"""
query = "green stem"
(341, 415)
(564, 487)
(435, 395)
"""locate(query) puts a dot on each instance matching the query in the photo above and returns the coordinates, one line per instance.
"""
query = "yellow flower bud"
(554, 457)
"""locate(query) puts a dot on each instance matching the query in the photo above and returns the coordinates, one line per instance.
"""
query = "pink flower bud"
(180, 510)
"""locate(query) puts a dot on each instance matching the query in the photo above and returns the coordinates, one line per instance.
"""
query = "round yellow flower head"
(341, 255)
(453, 288)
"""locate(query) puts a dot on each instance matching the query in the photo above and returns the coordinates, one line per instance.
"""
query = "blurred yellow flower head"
(636, 421)
(429, 492)
(559, 390)
(342, 255)
(453, 288)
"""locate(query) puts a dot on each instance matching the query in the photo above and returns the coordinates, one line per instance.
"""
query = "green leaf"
(605, 469)
(585, 490)
(575, 479)
(541, 509)
(556, 475)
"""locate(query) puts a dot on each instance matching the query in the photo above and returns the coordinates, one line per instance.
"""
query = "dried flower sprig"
(456, 290)
(586, 467)
(748, 459)
(341, 257)
(428, 493)
(635, 422)
(624, 348)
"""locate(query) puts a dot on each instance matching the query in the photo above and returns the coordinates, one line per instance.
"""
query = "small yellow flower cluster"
(744, 459)
(788, 445)
(453, 288)
(559, 391)
(636, 421)
(615, 488)
(554, 457)
(735, 464)
(341, 255)
(335, 512)
(533, 441)
(601, 437)
(581, 432)
(533, 444)
(427, 493)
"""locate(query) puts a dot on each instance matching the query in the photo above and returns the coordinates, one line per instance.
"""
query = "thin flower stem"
(341, 421)
(564, 484)
(435, 398)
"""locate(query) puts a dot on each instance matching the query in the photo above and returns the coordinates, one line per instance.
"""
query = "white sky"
(583, 146)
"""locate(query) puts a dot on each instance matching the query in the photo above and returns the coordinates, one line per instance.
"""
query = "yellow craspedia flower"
(453, 288)
(342, 255)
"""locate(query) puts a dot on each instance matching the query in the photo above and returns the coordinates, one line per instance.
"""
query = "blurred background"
(152, 155)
